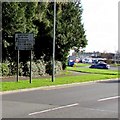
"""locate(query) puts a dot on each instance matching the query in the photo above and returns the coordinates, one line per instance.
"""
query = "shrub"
(4, 69)
(40, 64)
(12, 68)
(58, 67)
(49, 68)
(109, 61)
(38, 68)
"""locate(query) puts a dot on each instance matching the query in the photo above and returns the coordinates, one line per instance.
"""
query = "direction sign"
(24, 41)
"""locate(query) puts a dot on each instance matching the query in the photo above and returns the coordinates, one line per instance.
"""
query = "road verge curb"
(55, 86)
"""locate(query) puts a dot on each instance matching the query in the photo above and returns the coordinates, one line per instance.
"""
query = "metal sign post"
(17, 65)
(31, 66)
(24, 41)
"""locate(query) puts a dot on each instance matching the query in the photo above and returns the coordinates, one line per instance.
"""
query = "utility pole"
(53, 60)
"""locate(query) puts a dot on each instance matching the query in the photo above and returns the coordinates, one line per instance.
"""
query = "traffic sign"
(24, 41)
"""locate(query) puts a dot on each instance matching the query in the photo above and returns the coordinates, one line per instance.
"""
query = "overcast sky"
(100, 18)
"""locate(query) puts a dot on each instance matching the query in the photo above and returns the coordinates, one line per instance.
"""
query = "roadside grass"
(81, 64)
(115, 65)
(22, 84)
(93, 71)
(67, 78)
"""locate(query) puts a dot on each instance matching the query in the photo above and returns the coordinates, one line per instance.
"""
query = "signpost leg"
(31, 66)
(17, 65)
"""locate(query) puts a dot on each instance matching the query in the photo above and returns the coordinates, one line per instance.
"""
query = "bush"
(109, 61)
(39, 68)
(58, 67)
(4, 69)
(49, 68)
(12, 68)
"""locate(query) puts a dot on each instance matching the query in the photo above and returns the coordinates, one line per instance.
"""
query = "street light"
(53, 60)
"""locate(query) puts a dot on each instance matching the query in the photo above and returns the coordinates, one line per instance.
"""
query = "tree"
(70, 30)
(43, 41)
(13, 20)
(37, 17)
(16, 17)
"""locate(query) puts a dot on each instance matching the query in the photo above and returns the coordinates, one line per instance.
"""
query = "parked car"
(77, 60)
(71, 63)
(100, 65)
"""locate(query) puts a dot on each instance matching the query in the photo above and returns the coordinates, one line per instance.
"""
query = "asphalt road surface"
(93, 100)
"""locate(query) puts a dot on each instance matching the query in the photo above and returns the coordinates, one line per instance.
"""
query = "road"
(91, 100)
(115, 68)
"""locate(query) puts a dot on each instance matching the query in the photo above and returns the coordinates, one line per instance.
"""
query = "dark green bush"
(58, 67)
(49, 68)
(4, 69)
(39, 68)
(12, 68)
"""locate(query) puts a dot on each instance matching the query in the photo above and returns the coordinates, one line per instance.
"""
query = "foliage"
(39, 68)
(58, 67)
(4, 69)
(16, 17)
(70, 31)
(37, 18)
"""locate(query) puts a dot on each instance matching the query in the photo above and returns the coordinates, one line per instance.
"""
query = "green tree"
(43, 41)
(70, 30)
(16, 17)
(13, 20)
(37, 17)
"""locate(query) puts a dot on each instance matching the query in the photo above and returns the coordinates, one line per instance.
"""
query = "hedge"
(39, 68)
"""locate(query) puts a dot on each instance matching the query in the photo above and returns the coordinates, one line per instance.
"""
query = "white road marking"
(52, 109)
(109, 98)
(101, 110)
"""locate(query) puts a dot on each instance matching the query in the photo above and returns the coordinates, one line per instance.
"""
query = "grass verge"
(93, 71)
(22, 84)
(81, 64)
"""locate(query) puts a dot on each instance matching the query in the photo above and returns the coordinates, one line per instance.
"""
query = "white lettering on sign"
(24, 41)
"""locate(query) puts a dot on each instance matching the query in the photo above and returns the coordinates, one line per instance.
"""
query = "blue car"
(71, 63)
(100, 66)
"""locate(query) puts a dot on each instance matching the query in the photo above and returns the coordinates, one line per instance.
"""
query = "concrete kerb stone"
(55, 86)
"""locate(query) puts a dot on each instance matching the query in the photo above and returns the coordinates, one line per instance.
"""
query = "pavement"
(91, 100)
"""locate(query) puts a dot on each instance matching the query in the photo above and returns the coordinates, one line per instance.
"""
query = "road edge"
(55, 86)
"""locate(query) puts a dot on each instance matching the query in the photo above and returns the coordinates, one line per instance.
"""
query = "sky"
(100, 19)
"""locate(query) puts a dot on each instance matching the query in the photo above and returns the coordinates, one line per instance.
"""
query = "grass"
(22, 84)
(92, 75)
(115, 65)
(81, 64)
(93, 71)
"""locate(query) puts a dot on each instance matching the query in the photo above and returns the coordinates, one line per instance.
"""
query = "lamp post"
(53, 60)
